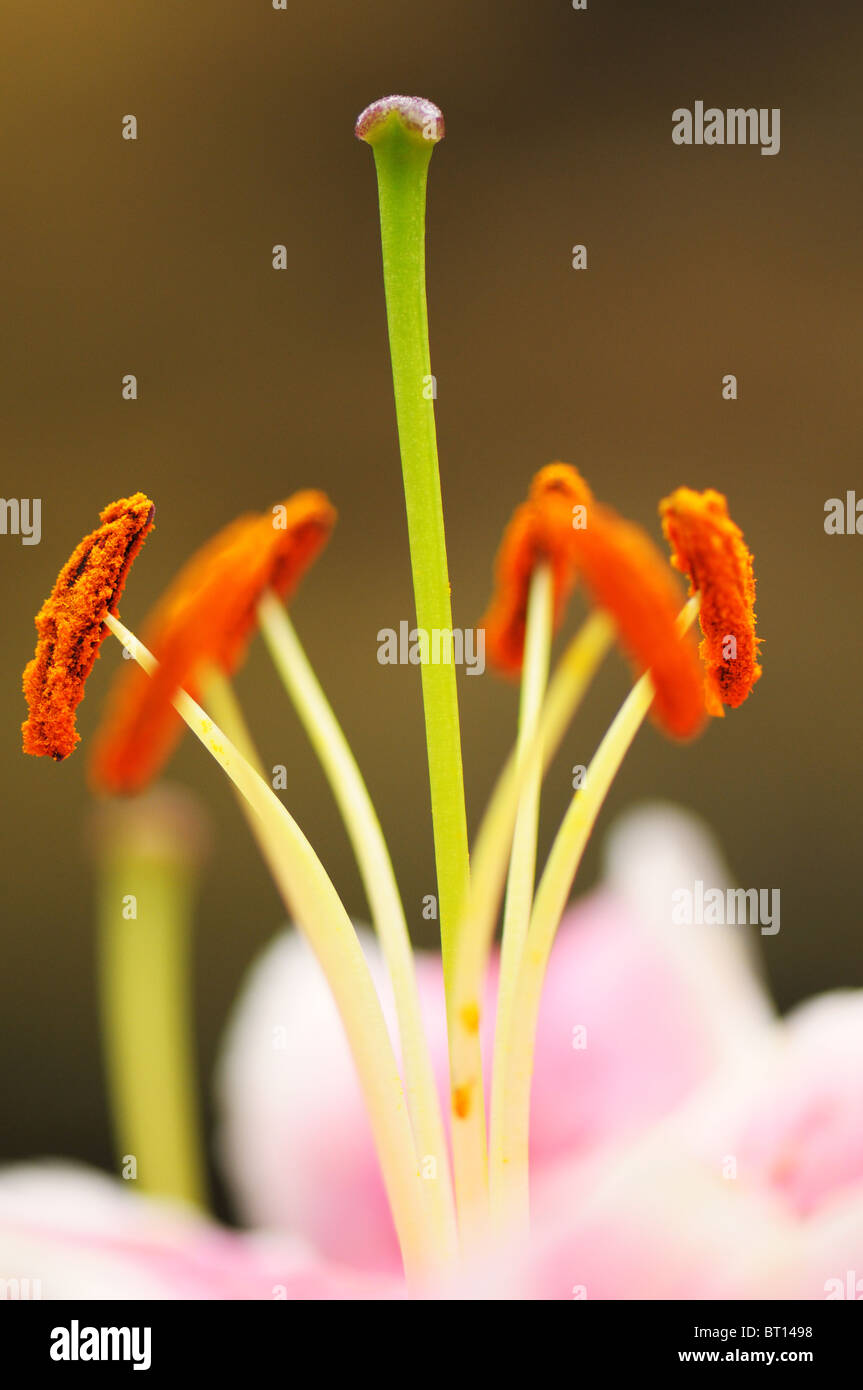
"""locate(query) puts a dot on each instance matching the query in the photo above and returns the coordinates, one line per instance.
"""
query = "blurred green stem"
(145, 893)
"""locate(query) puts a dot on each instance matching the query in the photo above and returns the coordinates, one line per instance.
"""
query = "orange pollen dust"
(629, 578)
(540, 532)
(204, 620)
(709, 548)
(561, 524)
(461, 1101)
(71, 625)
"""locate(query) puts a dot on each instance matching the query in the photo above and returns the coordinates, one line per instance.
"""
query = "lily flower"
(371, 1143)
(659, 1058)
(404, 1146)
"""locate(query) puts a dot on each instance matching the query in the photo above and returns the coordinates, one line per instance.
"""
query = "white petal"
(293, 1136)
(652, 853)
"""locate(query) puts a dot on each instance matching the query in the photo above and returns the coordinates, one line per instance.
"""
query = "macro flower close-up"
(463, 952)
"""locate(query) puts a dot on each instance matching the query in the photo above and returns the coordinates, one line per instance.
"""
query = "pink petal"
(294, 1138)
(647, 1222)
(834, 1250)
(638, 1011)
(620, 1040)
(70, 1232)
(794, 1120)
(658, 1012)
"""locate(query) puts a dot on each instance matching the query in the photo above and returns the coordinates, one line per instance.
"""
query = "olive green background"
(154, 258)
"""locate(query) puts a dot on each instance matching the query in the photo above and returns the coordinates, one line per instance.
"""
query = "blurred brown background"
(154, 258)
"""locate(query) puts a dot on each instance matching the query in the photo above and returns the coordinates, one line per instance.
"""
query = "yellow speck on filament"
(470, 1017)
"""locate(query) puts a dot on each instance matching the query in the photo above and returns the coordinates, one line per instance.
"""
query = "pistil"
(402, 132)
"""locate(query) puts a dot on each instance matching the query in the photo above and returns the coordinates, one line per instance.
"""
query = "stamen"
(476, 931)
(206, 617)
(364, 830)
(511, 1158)
(317, 910)
(709, 548)
(561, 524)
(522, 866)
(629, 578)
(540, 532)
(535, 573)
(71, 625)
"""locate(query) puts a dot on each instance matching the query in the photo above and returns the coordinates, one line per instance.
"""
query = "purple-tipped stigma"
(419, 116)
